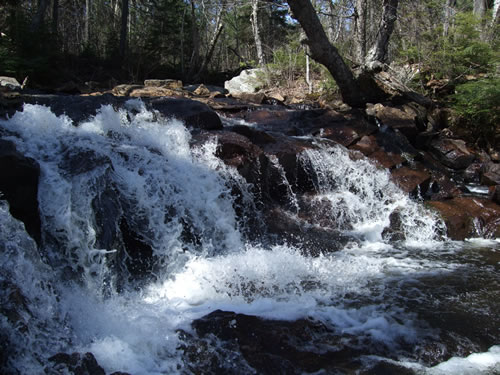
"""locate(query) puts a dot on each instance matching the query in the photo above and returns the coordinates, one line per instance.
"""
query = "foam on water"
(168, 183)
(362, 198)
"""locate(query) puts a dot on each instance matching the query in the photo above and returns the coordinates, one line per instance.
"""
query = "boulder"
(10, 83)
(453, 153)
(193, 113)
(256, 136)
(467, 217)
(163, 83)
(248, 81)
(19, 186)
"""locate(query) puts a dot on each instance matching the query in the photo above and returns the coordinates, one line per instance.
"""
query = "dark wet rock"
(494, 193)
(256, 136)
(398, 119)
(345, 131)
(256, 98)
(76, 363)
(77, 108)
(19, 186)
(472, 173)
(315, 240)
(387, 368)
(193, 113)
(286, 151)
(77, 161)
(490, 175)
(413, 181)
(265, 346)
(453, 153)
(442, 187)
(139, 258)
(467, 217)
(395, 230)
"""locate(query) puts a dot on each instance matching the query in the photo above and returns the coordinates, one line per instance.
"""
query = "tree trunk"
(219, 26)
(378, 52)
(256, 32)
(479, 8)
(448, 15)
(195, 36)
(55, 16)
(495, 20)
(86, 31)
(322, 51)
(360, 30)
(123, 29)
(40, 14)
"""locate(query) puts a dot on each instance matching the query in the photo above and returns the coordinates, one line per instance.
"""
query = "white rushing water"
(76, 301)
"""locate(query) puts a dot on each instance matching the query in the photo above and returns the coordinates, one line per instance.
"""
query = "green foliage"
(478, 103)
(459, 53)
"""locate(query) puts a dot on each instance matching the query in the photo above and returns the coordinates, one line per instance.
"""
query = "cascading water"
(142, 235)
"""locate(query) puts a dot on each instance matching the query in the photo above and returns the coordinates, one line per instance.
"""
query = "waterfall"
(143, 233)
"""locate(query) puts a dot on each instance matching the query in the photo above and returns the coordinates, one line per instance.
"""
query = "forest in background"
(447, 49)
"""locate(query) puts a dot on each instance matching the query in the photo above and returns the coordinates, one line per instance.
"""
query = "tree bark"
(55, 16)
(213, 41)
(322, 51)
(479, 9)
(360, 30)
(86, 31)
(254, 19)
(39, 15)
(448, 15)
(124, 29)
(378, 52)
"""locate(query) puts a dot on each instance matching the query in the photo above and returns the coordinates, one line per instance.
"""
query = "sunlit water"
(379, 292)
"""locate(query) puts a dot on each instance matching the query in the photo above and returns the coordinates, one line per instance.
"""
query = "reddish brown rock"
(397, 118)
(494, 192)
(410, 180)
(367, 145)
(386, 159)
(467, 217)
(453, 153)
(442, 187)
